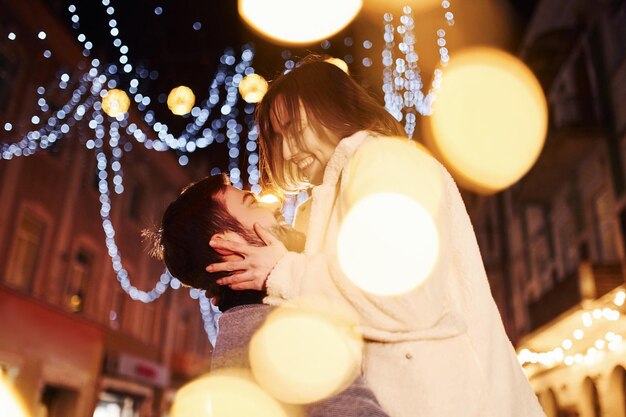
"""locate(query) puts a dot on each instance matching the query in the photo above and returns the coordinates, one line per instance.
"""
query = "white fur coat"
(440, 350)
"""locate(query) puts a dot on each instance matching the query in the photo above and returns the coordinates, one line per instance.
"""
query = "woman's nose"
(287, 151)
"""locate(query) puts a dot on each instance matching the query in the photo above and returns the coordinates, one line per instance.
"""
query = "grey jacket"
(237, 327)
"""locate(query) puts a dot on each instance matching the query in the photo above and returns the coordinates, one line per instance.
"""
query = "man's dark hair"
(182, 241)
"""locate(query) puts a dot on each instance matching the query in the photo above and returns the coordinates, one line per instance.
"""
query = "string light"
(561, 354)
(402, 81)
(88, 102)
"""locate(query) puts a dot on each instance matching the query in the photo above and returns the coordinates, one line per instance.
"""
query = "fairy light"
(611, 342)
(402, 81)
(111, 137)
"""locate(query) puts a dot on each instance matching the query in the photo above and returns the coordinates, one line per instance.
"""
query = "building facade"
(553, 244)
(71, 340)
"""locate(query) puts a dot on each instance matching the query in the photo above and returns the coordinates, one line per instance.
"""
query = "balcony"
(590, 282)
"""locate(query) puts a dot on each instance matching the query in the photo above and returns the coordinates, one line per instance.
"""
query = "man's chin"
(292, 239)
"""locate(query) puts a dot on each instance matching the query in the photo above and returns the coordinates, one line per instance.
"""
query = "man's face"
(245, 208)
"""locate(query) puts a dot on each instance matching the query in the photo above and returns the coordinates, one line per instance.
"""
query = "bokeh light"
(269, 199)
(301, 355)
(180, 100)
(388, 254)
(252, 88)
(225, 393)
(115, 102)
(298, 21)
(489, 119)
(340, 63)
(11, 402)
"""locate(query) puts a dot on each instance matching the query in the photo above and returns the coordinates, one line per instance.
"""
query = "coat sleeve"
(390, 166)
(355, 401)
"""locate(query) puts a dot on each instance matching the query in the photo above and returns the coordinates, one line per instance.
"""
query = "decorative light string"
(402, 81)
(562, 354)
(85, 104)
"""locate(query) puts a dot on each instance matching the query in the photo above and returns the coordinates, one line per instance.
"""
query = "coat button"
(409, 356)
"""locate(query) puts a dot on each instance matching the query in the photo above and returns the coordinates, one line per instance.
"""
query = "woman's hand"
(258, 261)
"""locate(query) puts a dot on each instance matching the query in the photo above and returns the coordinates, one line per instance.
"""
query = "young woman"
(438, 350)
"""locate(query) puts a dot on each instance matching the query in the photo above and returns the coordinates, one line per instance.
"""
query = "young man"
(212, 208)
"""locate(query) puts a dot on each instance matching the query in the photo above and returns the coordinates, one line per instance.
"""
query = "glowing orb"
(181, 100)
(252, 88)
(300, 356)
(489, 119)
(11, 403)
(388, 244)
(298, 21)
(340, 63)
(115, 102)
(228, 393)
(269, 199)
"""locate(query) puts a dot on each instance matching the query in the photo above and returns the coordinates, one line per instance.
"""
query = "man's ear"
(232, 236)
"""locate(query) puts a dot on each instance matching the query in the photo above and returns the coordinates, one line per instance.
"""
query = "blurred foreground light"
(180, 100)
(301, 356)
(402, 245)
(489, 119)
(227, 393)
(115, 102)
(269, 199)
(393, 6)
(298, 21)
(11, 404)
(252, 88)
(340, 63)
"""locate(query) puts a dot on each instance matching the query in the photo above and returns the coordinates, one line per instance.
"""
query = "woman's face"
(310, 158)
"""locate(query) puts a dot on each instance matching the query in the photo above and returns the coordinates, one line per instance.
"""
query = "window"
(81, 269)
(26, 252)
(606, 228)
(540, 244)
(116, 308)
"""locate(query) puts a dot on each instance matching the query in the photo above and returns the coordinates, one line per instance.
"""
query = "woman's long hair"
(331, 99)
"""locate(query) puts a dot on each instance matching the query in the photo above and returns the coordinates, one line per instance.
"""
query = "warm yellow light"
(115, 102)
(11, 402)
(489, 119)
(269, 199)
(181, 100)
(252, 88)
(393, 6)
(402, 245)
(340, 63)
(298, 21)
(620, 297)
(75, 302)
(578, 334)
(567, 344)
(228, 393)
(301, 356)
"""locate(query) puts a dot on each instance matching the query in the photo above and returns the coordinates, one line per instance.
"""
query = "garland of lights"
(402, 81)
(86, 103)
(610, 341)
